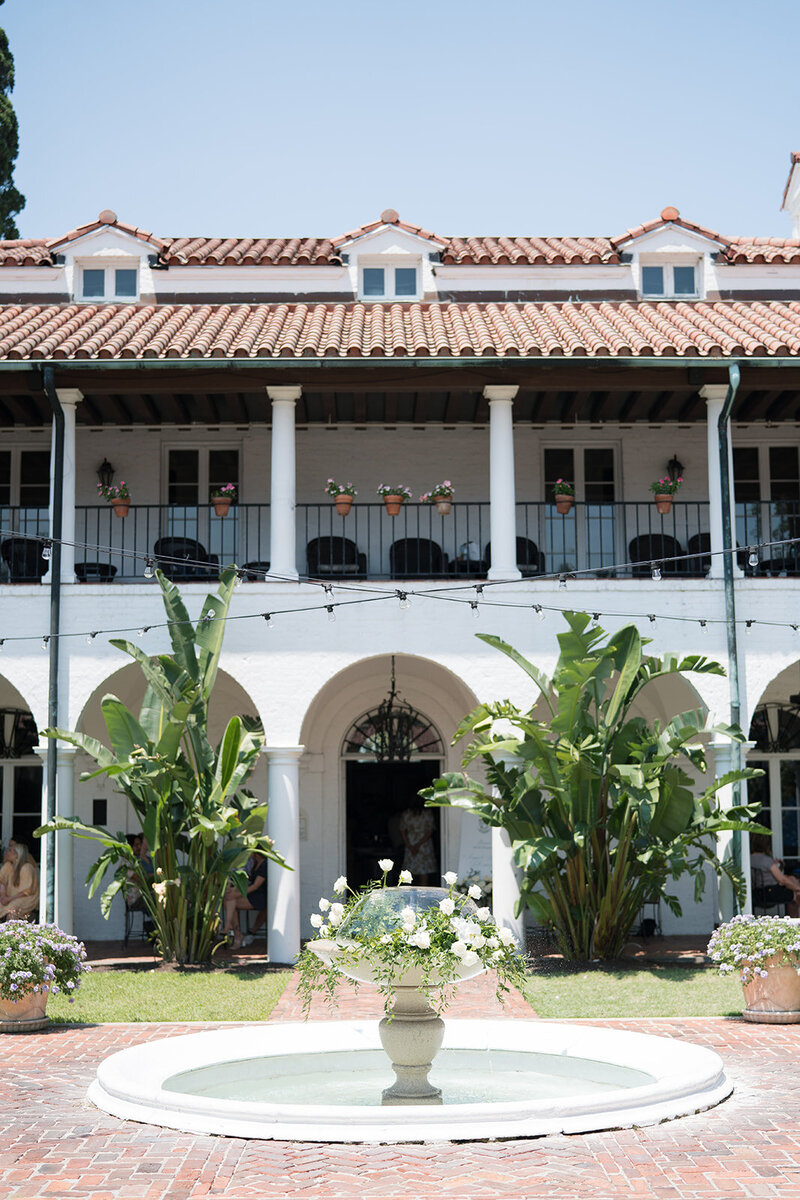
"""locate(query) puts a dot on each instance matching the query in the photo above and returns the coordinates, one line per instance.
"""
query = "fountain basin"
(313, 1082)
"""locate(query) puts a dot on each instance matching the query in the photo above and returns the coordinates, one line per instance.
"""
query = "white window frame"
(668, 269)
(389, 263)
(109, 282)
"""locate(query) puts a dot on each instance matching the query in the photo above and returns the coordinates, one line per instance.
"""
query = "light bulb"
(149, 569)
(331, 613)
(652, 618)
(752, 557)
(537, 608)
(328, 588)
(748, 625)
(562, 583)
(90, 638)
(268, 618)
(239, 579)
(47, 550)
(145, 629)
(704, 626)
(795, 629)
(474, 606)
(45, 641)
(405, 603)
(656, 572)
(3, 642)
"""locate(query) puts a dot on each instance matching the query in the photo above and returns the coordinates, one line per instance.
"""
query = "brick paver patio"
(55, 1144)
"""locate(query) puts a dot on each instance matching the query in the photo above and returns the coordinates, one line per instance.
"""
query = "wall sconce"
(675, 468)
(105, 473)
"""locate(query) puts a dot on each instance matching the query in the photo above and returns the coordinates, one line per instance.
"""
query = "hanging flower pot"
(394, 496)
(221, 506)
(393, 504)
(664, 493)
(443, 505)
(121, 507)
(343, 504)
(663, 503)
(223, 497)
(564, 503)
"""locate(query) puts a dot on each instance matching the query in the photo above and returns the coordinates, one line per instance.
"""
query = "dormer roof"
(106, 219)
(670, 216)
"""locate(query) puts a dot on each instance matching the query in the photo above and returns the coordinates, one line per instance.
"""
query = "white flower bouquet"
(390, 935)
(746, 943)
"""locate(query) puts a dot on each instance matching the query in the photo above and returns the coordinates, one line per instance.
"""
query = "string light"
(149, 569)
(752, 557)
(145, 629)
(405, 603)
(537, 608)
(2, 643)
(331, 613)
(562, 582)
(651, 618)
(474, 606)
(45, 641)
(479, 589)
(655, 571)
(239, 579)
(268, 618)
(207, 617)
(47, 549)
(90, 638)
(703, 626)
(748, 625)
(328, 589)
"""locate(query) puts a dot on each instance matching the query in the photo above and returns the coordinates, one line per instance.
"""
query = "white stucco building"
(392, 354)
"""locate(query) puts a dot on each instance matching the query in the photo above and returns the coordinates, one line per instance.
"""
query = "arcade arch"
(775, 732)
(20, 769)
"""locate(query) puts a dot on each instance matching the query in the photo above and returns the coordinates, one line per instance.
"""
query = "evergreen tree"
(11, 200)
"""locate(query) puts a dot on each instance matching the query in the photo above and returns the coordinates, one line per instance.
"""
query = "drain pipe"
(734, 378)
(55, 628)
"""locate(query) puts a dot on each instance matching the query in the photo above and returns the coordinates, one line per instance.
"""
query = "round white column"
(282, 483)
(714, 396)
(69, 398)
(283, 826)
(502, 491)
(65, 806)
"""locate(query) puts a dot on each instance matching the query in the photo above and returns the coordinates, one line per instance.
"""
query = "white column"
(41, 751)
(723, 758)
(283, 826)
(714, 396)
(502, 493)
(69, 398)
(506, 877)
(65, 806)
(282, 483)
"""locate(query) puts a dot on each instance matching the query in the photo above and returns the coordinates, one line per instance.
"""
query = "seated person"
(19, 883)
(771, 886)
(254, 901)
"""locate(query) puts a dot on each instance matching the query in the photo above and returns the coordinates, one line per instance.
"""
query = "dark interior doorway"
(377, 793)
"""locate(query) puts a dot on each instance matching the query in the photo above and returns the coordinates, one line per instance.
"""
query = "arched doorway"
(389, 753)
(20, 770)
(775, 729)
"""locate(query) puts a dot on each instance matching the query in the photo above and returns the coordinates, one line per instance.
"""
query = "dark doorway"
(377, 793)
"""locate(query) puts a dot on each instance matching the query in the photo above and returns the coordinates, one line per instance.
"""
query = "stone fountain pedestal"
(412, 1037)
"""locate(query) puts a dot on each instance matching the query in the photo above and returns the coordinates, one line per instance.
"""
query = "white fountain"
(329, 1081)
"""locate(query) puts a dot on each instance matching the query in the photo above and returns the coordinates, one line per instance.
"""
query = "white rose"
(341, 885)
(479, 941)
(336, 914)
(469, 958)
(421, 938)
(406, 877)
(385, 939)
(506, 936)
(451, 878)
(492, 943)
(474, 892)
(458, 948)
(483, 914)
(447, 906)
(385, 864)
(316, 920)
(408, 916)
(497, 955)
(324, 905)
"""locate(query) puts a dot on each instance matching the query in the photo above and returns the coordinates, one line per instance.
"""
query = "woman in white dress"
(418, 826)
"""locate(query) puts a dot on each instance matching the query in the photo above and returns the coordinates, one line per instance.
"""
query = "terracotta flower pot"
(120, 507)
(393, 504)
(221, 506)
(443, 505)
(663, 503)
(343, 504)
(564, 504)
(25, 1015)
(776, 999)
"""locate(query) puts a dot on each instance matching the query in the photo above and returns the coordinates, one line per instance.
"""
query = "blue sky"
(258, 117)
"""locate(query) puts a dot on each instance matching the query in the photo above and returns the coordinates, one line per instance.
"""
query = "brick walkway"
(55, 1144)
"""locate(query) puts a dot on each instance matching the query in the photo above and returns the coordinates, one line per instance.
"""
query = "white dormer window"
(389, 282)
(108, 283)
(669, 281)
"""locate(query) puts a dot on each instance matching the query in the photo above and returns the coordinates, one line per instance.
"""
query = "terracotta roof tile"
(605, 329)
(528, 250)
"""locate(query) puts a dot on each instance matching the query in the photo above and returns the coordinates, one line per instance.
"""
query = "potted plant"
(664, 491)
(415, 944)
(36, 961)
(565, 496)
(394, 496)
(342, 494)
(441, 496)
(766, 953)
(222, 498)
(118, 496)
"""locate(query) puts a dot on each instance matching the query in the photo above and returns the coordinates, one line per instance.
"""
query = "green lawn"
(635, 992)
(247, 994)
(237, 994)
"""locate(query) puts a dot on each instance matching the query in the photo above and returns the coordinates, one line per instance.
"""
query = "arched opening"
(390, 753)
(775, 729)
(20, 770)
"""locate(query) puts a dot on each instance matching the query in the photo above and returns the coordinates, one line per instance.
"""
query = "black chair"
(529, 560)
(95, 572)
(178, 558)
(335, 557)
(414, 558)
(764, 896)
(700, 544)
(253, 572)
(651, 548)
(23, 558)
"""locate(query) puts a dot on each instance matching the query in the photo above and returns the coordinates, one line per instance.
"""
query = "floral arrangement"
(394, 489)
(225, 491)
(339, 489)
(666, 487)
(39, 958)
(442, 491)
(438, 941)
(745, 943)
(562, 488)
(114, 491)
(482, 882)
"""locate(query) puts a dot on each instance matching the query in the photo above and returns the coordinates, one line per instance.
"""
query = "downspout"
(734, 377)
(55, 628)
